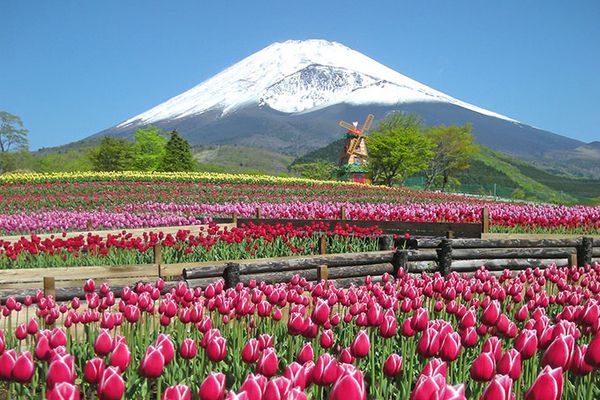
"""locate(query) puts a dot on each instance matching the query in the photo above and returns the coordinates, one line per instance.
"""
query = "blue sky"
(72, 68)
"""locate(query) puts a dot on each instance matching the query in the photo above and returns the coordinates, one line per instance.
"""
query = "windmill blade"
(352, 146)
(368, 122)
(348, 126)
(356, 149)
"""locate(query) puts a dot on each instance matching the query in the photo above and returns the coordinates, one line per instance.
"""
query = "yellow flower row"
(210, 177)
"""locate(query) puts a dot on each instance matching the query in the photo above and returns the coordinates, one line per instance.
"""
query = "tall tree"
(453, 151)
(397, 148)
(178, 156)
(113, 154)
(149, 148)
(13, 136)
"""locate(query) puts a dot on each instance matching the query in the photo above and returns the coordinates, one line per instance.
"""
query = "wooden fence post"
(258, 213)
(386, 242)
(322, 273)
(444, 254)
(572, 259)
(342, 213)
(49, 286)
(156, 249)
(88, 225)
(231, 275)
(485, 220)
(234, 218)
(400, 261)
(584, 251)
(450, 234)
(322, 244)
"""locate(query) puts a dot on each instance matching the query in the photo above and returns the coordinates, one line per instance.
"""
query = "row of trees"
(401, 146)
(151, 150)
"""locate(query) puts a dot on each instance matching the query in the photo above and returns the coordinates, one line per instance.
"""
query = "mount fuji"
(289, 97)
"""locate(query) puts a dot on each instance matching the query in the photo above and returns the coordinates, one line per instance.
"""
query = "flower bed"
(534, 336)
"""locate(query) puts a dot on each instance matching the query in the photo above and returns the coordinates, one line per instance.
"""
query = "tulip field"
(38, 203)
(531, 336)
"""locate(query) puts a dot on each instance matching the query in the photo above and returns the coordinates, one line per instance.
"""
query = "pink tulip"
(213, 387)
(349, 386)
(500, 388)
(325, 371)
(120, 356)
(61, 369)
(427, 387)
(267, 363)
(482, 369)
(177, 392)
(326, 339)
(93, 370)
(216, 349)
(547, 386)
(7, 363)
(111, 385)
(24, 367)
(188, 349)
(254, 386)
(152, 363)
(510, 364)
(559, 353)
(392, 365)
(360, 345)
(305, 354)
(450, 347)
(103, 343)
(63, 391)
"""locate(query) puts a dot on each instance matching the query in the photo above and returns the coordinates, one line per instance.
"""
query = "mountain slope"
(288, 97)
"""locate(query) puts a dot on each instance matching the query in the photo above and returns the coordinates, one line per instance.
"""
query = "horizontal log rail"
(413, 255)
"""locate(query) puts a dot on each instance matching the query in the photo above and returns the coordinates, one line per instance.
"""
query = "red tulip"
(24, 367)
(387, 328)
(325, 371)
(482, 369)
(320, 313)
(453, 393)
(450, 348)
(7, 363)
(120, 356)
(42, 348)
(61, 369)
(111, 385)
(216, 349)
(296, 394)
(578, 365)
(500, 388)
(349, 386)
(296, 373)
(392, 365)
(63, 391)
(468, 337)
(360, 345)
(58, 337)
(21, 331)
(559, 353)
(491, 313)
(177, 392)
(93, 370)
(429, 342)
(213, 387)
(427, 387)
(188, 349)
(277, 388)
(435, 366)
(267, 362)
(346, 356)
(103, 343)
(547, 386)
(510, 364)
(592, 354)
(306, 353)
(250, 351)
(254, 386)
(493, 345)
(152, 363)
(326, 339)
(419, 320)
(165, 345)
(526, 343)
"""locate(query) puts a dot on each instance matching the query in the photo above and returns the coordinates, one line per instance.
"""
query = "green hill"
(493, 172)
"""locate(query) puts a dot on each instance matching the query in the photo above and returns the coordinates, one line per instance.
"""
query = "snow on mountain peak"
(299, 76)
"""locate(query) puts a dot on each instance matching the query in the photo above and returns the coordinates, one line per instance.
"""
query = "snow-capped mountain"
(289, 96)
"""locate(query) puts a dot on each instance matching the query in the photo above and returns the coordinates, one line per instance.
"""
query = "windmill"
(354, 156)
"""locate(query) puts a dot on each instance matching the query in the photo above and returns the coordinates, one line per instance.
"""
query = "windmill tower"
(354, 155)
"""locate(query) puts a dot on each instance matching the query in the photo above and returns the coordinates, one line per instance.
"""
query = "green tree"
(397, 148)
(149, 148)
(318, 169)
(112, 154)
(454, 148)
(13, 136)
(178, 156)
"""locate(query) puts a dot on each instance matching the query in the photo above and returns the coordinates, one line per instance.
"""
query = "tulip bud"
(450, 348)
(482, 369)
(120, 356)
(392, 365)
(526, 343)
(24, 367)
(267, 363)
(216, 349)
(111, 385)
(325, 371)
(592, 354)
(277, 388)
(427, 387)
(61, 369)
(103, 343)
(93, 370)
(500, 388)
(510, 364)
(305, 354)
(188, 349)
(213, 387)
(326, 339)
(296, 374)
(547, 386)
(152, 363)
(360, 345)
(559, 353)
(349, 386)
(320, 312)
(63, 391)
(254, 386)
(177, 392)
